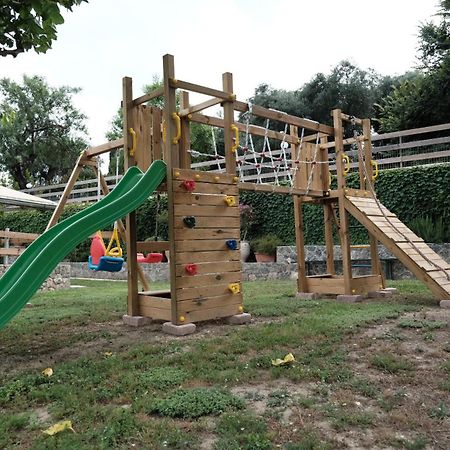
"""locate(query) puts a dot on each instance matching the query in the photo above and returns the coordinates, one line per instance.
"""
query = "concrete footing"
(307, 295)
(178, 330)
(239, 319)
(392, 290)
(136, 321)
(349, 298)
(444, 304)
(382, 293)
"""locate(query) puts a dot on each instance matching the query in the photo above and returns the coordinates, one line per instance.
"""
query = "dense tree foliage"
(348, 87)
(425, 99)
(41, 132)
(30, 24)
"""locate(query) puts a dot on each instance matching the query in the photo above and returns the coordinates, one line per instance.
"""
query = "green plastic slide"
(36, 263)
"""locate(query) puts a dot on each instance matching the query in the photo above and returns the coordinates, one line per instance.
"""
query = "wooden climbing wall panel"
(207, 257)
(409, 248)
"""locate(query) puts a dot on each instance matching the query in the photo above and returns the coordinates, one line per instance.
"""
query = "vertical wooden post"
(128, 122)
(157, 151)
(228, 118)
(298, 219)
(185, 143)
(328, 230)
(171, 156)
(374, 256)
(343, 216)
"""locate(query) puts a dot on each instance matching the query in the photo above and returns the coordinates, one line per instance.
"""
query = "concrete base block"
(349, 298)
(382, 293)
(178, 330)
(392, 290)
(444, 304)
(136, 321)
(239, 319)
(307, 295)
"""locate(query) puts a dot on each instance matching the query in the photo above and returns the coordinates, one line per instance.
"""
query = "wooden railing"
(400, 149)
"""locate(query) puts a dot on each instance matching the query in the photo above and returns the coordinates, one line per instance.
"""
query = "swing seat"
(150, 258)
(106, 263)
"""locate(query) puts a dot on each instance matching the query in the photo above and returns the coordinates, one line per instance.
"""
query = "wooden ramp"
(410, 249)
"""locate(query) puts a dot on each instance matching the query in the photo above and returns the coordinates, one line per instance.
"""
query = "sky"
(279, 42)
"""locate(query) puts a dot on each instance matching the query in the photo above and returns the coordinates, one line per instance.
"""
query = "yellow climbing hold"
(234, 288)
(241, 308)
(230, 200)
(181, 318)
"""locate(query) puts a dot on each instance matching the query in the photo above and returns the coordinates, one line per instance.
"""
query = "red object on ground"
(150, 258)
(191, 269)
(97, 249)
(189, 185)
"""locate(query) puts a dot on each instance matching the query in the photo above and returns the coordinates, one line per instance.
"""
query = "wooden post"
(343, 216)
(128, 122)
(328, 230)
(300, 244)
(228, 118)
(67, 190)
(157, 151)
(298, 219)
(374, 256)
(185, 143)
(171, 156)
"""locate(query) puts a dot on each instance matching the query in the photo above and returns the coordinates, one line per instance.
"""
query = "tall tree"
(347, 87)
(30, 24)
(423, 100)
(41, 132)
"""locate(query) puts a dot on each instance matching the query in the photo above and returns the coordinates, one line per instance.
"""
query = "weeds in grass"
(342, 419)
(390, 363)
(242, 432)
(418, 443)
(162, 378)
(440, 411)
(364, 387)
(309, 441)
(427, 325)
(278, 398)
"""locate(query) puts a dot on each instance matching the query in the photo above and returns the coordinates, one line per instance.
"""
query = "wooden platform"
(334, 285)
(409, 248)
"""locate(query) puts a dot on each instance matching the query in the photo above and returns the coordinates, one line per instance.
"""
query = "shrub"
(267, 244)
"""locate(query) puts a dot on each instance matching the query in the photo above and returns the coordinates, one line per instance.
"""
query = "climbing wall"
(207, 257)
(410, 249)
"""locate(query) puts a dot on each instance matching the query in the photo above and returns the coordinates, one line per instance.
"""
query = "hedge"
(410, 193)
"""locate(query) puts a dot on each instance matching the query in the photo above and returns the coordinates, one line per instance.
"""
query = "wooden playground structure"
(203, 206)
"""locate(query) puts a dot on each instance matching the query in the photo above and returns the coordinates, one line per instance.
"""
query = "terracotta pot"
(245, 251)
(261, 257)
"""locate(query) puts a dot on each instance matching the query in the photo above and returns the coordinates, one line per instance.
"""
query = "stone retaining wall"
(58, 279)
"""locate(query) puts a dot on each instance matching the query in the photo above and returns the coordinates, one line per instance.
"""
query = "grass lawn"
(368, 375)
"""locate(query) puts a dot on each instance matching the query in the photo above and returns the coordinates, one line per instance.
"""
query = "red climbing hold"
(189, 185)
(191, 269)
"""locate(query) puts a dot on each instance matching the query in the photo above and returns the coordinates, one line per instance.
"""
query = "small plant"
(427, 325)
(440, 412)
(267, 244)
(163, 377)
(431, 230)
(197, 402)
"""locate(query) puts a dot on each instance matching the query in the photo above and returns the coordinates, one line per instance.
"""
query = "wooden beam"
(185, 141)
(228, 117)
(185, 111)
(284, 117)
(153, 246)
(159, 92)
(104, 148)
(67, 190)
(129, 161)
(179, 84)
(351, 119)
(272, 188)
(329, 243)
(171, 158)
